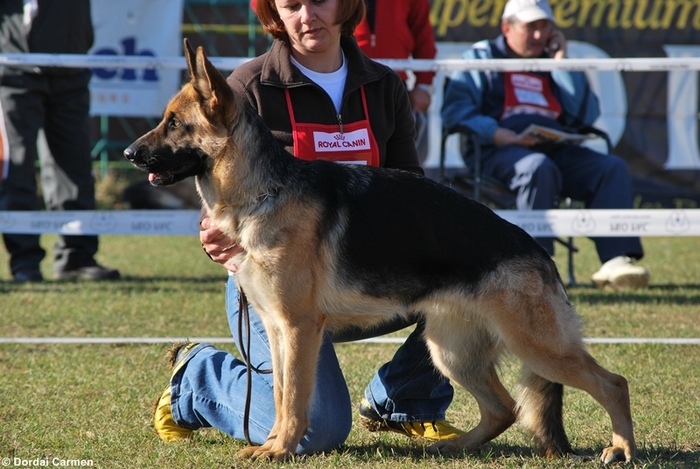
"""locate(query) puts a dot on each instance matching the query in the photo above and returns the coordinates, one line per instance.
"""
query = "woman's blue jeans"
(210, 389)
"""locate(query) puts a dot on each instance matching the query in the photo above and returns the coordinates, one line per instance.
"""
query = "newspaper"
(549, 135)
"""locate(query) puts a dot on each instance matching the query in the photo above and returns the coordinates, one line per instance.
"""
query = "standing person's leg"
(532, 175)
(23, 114)
(602, 182)
(209, 389)
(66, 172)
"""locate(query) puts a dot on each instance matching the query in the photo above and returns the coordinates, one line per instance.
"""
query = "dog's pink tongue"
(151, 177)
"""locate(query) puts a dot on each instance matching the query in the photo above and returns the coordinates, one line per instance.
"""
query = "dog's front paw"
(247, 452)
(445, 447)
(271, 455)
(264, 452)
(615, 454)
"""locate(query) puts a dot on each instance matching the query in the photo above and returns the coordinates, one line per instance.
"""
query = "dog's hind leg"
(612, 391)
(469, 358)
(576, 368)
(544, 332)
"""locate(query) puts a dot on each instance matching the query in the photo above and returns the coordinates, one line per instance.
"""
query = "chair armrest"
(589, 129)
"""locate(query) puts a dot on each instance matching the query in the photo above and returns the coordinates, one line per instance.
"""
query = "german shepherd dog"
(328, 245)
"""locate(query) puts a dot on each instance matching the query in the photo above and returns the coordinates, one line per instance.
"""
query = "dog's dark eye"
(173, 124)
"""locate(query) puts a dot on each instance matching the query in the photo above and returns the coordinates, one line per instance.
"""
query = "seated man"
(496, 106)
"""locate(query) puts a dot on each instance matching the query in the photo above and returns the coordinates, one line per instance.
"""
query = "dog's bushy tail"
(540, 406)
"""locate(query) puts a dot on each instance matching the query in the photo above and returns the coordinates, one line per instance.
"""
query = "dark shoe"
(89, 272)
(28, 275)
(437, 430)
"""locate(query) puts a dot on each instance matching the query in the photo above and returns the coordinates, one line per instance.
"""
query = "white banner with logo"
(142, 28)
(561, 222)
(606, 223)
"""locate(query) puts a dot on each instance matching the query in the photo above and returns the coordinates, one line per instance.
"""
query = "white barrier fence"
(638, 222)
(646, 64)
(655, 222)
(604, 74)
(574, 222)
(374, 340)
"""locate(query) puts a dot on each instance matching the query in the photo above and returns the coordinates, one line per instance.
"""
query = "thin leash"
(244, 316)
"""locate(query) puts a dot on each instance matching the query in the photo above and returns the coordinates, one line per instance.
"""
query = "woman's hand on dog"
(220, 248)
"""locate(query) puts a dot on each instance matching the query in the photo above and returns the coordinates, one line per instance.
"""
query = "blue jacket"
(474, 99)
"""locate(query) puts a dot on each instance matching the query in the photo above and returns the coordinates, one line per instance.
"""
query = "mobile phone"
(552, 47)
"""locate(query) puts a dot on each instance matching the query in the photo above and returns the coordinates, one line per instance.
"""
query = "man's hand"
(504, 136)
(420, 99)
(557, 45)
(220, 247)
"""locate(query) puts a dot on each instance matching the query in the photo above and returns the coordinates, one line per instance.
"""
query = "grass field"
(93, 402)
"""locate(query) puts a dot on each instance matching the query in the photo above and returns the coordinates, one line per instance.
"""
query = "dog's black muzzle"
(166, 167)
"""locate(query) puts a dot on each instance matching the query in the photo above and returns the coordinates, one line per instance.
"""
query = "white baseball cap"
(528, 11)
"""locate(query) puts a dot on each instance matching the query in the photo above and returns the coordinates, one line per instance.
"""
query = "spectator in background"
(55, 101)
(400, 29)
(497, 106)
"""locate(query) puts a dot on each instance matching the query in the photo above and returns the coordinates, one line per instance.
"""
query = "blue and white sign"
(145, 28)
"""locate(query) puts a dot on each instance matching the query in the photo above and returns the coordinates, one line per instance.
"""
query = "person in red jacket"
(401, 29)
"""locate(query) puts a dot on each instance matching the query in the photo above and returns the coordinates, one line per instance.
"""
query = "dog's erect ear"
(211, 85)
(190, 56)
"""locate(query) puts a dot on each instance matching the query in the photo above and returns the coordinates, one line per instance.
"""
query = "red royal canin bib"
(527, 93)
(352, 143)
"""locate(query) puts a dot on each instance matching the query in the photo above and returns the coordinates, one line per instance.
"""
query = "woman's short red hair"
(350, 13)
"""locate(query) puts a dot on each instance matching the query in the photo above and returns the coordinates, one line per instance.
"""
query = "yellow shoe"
(435, 431)
(165, 426)
(163, 421)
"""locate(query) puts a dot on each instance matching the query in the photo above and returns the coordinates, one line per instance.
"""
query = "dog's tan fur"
(293, 273)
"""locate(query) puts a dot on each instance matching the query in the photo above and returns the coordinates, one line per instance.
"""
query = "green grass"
(93, 402)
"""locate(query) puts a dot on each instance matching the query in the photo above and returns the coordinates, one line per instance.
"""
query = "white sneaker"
(620, 273)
